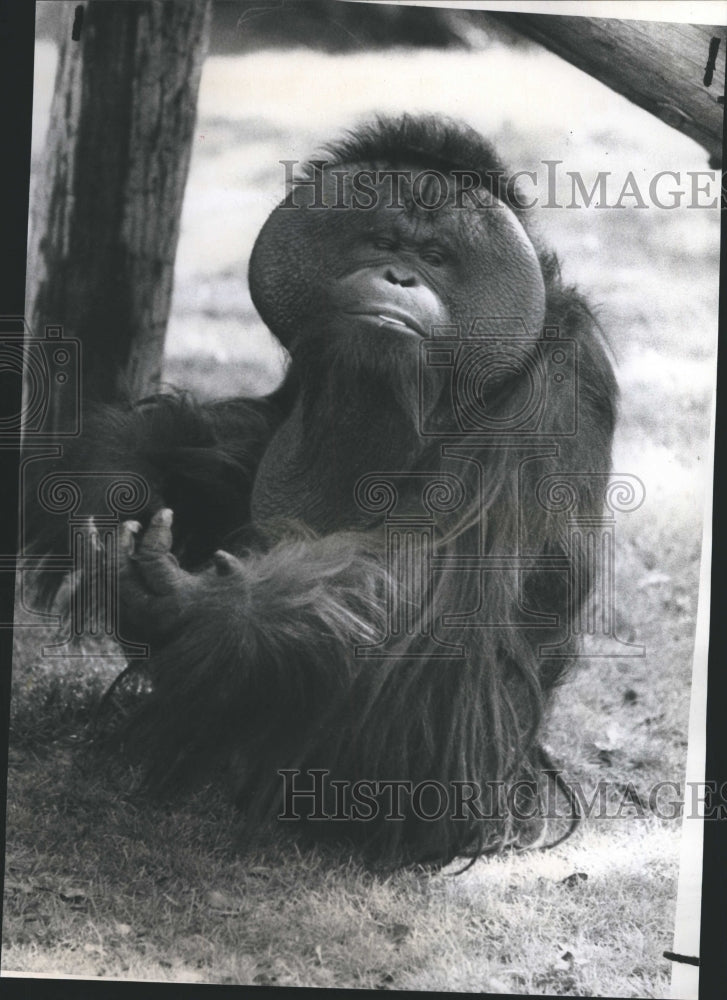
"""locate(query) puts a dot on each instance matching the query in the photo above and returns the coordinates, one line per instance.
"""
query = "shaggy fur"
(262, 674)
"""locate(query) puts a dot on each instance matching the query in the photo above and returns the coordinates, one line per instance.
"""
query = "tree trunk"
(107, 208)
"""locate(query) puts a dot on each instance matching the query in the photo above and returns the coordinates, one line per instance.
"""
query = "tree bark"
(659, 66)
(107, 208)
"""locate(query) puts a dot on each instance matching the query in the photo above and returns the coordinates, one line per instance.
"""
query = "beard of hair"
(363, 382)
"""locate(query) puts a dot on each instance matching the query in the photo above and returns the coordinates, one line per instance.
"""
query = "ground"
(100, 882)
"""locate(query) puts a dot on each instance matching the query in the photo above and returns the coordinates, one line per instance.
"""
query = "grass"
(102, 882)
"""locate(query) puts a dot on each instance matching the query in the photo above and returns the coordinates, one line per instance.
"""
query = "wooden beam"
(659, 66)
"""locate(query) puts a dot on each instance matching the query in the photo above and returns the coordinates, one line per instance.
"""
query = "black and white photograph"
(362, 585)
